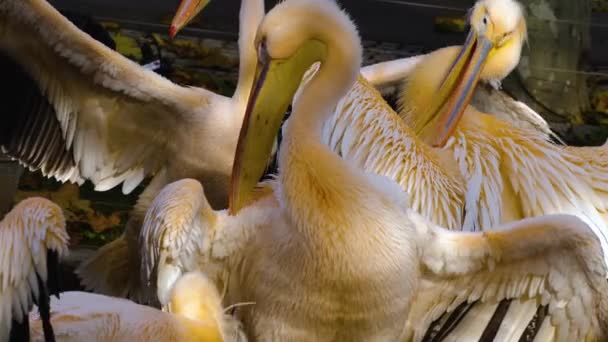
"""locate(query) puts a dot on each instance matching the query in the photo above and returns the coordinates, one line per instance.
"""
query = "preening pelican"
(32, 238)
(96, 115)
(196, 314)
(331, 253)
(511, 171)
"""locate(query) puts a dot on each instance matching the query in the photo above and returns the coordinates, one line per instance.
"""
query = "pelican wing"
(367, 132)
(176, 235)
(34, 226)
(91, 113)
(514, 173)
(493, 101)
(551, 264)
(181, 233)
(390, 73)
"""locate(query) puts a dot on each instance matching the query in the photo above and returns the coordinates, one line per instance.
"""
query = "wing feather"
(90, 113)
(523, 174)
(367, 132)
(552, 260)
(176, 235)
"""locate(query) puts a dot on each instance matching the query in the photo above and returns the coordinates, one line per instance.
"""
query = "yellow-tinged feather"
(333, 255)
(522, 174)
(367, 132)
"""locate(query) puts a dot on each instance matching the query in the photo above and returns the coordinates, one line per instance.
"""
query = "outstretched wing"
(27, 232)
(78, 110)
(549, 265)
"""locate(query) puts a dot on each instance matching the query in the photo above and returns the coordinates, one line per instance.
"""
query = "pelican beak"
(275, 84)
(458, 85)
(187, 10)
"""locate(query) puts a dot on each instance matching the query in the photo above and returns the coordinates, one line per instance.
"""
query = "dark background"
(409, 22)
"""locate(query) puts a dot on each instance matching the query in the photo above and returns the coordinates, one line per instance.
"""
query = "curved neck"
(250, 16)
(311, 173)
(319, 97)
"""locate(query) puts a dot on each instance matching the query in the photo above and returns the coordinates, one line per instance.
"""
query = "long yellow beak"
(275, 84)
(457, 88)
(188, 10)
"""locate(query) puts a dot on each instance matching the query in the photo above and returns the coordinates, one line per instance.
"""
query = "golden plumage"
(334, 253)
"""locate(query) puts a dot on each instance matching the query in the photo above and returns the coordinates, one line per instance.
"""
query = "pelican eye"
(263, 56)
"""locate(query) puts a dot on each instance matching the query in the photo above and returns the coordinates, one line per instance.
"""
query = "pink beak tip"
(172, 31)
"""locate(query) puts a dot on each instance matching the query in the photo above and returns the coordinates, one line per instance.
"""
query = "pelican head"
(195, 297)
(491, 51)
(188, 10)
(292, 36)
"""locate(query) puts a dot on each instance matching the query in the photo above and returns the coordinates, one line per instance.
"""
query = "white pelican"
(96, 115)
(330, 253)
(32, 238)
(514, 172)
(510, 172)
(386, 146)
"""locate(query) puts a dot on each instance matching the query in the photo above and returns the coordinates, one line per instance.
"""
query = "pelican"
(327, 251)
(95, 115)
(515, 171)
(482, 188)
(34, 238)
(510, 172)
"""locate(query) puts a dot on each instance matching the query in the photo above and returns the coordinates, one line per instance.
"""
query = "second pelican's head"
(195, 297)
(491, 51)
(292, 36)
(188, 10)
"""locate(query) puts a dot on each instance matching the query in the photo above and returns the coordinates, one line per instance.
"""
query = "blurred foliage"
(599, 101)
(93, 218)
(185, 60)
(455, 24)
(599, 5)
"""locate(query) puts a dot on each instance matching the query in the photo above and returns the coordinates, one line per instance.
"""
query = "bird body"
(510, 172)
(332, 252)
